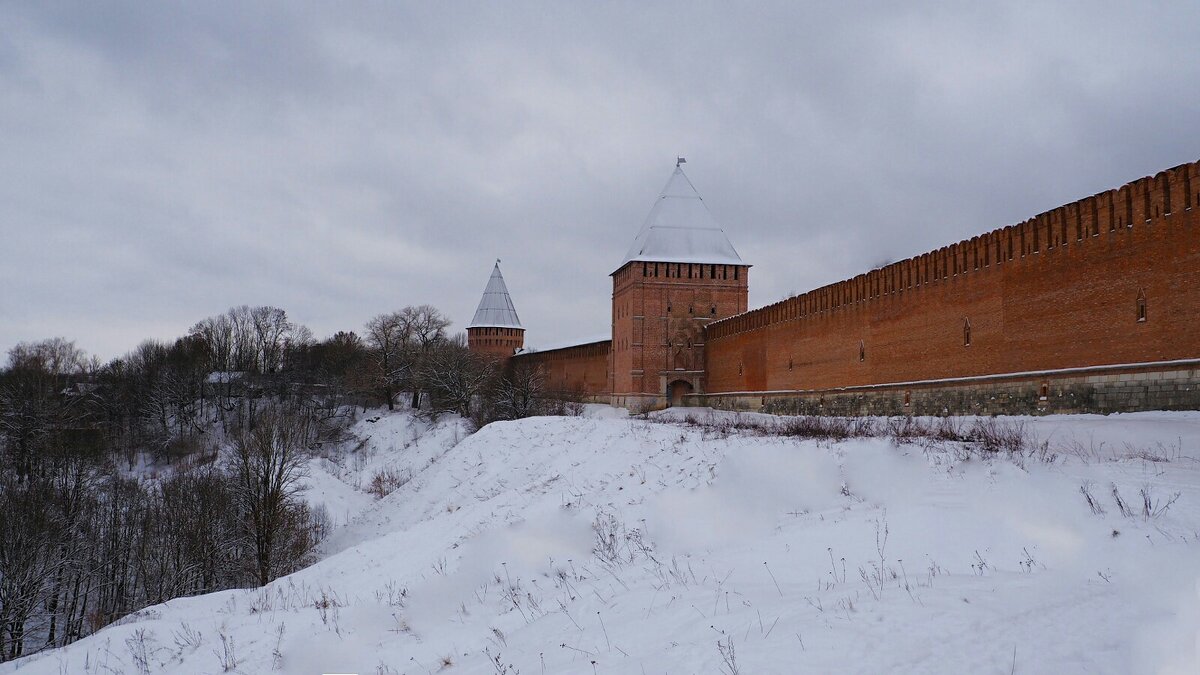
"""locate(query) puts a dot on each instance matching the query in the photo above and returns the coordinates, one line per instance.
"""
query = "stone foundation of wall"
(1111, 389)
(639, 403)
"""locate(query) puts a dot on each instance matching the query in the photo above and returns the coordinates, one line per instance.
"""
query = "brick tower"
(495, 331)
(680, 274)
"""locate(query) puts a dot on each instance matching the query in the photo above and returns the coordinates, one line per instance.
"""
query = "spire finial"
(497, 262)
(680, 160)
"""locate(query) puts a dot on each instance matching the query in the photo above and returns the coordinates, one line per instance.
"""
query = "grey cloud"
(164, 161)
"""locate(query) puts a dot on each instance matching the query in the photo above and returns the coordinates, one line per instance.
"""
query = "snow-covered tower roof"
(496, 307)
(680, 229)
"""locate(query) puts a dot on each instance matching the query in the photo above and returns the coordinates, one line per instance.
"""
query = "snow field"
(603, 544)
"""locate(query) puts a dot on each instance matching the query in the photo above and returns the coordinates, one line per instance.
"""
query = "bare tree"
(33, 411)
(271, 330)
(56, 356)
(427, 330)
(243, 355)
(454, 376)
(28, 533)
(217, 334)
(520, 392)
(268, 464)
(388, 336)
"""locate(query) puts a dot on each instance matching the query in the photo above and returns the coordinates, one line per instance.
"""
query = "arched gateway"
(677, 390)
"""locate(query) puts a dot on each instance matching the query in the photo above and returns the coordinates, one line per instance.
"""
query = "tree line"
(175, 469)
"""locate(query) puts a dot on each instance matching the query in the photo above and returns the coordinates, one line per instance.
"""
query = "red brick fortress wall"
(579, 370)
(1110, 279)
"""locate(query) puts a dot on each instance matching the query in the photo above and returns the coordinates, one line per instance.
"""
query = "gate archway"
(677, 390)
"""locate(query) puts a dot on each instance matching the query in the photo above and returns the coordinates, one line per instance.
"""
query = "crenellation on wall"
(1064, 296)
(1031, 238)
(1187, 172)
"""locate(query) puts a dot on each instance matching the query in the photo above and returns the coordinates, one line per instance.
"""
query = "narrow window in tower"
(1141, 305)
(644, 272)
(713, 310)
(739, 369)
(735, 272)
(668, 308)
(712, 271)
(691, 309)
(862, 351)
(966, 332)
(789, 364)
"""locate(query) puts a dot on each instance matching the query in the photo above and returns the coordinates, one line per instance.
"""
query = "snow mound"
(605, 544)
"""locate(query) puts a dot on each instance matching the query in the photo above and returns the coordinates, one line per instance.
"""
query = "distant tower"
(680, 274)
(495, 331)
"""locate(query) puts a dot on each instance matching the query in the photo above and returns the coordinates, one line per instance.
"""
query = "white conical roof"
(680, 229)
(496, 307)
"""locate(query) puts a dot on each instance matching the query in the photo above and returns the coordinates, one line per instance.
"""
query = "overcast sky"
(161, 162)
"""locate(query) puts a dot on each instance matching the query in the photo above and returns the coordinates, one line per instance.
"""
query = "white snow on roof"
(680, 229)
(496, 307)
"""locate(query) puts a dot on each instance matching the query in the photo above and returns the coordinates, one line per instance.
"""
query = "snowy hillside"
(603, 544)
